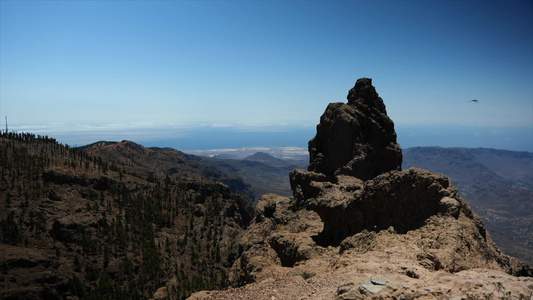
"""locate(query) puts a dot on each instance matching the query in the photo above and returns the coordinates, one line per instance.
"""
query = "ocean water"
(508, 138)
(203, 138)
(221, 138)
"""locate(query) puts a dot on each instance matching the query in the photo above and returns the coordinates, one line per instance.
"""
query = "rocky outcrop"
(356, 139)
(356, 216)
(413, 214)
(279, 237)
(401, 199)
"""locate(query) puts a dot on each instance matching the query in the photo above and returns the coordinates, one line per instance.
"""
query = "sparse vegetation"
(306, 275)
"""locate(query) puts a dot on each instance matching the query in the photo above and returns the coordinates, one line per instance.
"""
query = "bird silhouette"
(475, 101)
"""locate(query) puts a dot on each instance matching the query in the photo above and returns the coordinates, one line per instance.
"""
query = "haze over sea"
(202, 138)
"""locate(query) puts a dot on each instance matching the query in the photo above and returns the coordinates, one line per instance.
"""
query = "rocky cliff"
(359, 227)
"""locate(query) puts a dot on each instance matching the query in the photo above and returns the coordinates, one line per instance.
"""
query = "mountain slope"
(265, 173)
(497, 183)
(266, 159)
(79, 225)
(147, 162)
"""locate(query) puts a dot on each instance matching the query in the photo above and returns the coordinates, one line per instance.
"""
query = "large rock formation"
(357, 138)
(362, 228)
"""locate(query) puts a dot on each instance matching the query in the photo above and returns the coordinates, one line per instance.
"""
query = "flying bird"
(475, 101)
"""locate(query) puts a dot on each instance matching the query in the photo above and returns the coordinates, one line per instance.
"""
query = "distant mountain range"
(290, 153)
(263, 172)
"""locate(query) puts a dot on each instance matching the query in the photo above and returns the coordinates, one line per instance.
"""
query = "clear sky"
(85, 71)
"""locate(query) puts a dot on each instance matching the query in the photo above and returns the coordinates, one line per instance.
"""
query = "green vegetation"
(124, 235)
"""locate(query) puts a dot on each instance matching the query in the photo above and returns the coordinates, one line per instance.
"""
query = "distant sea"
(508, 138)
(203, 138)
(227, 137)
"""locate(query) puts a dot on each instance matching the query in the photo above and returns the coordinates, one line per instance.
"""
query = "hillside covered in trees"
(79, 223)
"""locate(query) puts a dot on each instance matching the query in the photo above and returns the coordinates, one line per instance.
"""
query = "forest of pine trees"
(114, 234)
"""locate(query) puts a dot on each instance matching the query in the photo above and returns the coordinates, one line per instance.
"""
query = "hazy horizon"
(208, 138)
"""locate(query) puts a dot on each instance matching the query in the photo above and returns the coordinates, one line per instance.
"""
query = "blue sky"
(156, 71)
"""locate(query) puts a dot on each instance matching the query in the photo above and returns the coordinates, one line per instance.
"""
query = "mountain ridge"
(264, 157)
(77, 225)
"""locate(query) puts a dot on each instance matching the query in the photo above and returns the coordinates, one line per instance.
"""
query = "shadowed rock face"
(401, 199)
(356, 139)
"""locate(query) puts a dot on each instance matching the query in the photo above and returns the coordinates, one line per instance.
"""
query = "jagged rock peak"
(356, 139)
(364, 93)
